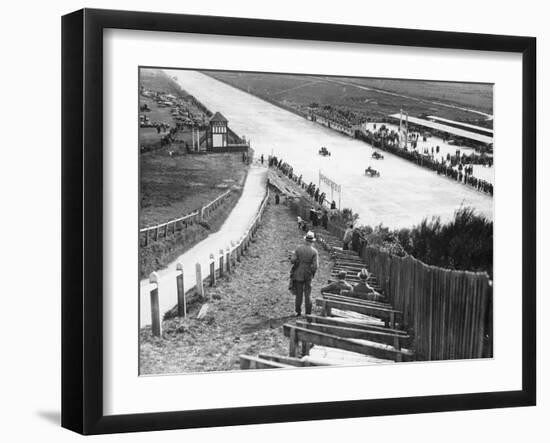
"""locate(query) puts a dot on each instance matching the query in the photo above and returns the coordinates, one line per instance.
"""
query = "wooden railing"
(163, 229)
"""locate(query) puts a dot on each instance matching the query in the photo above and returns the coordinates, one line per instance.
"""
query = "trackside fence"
(162, 230)
(449, 312)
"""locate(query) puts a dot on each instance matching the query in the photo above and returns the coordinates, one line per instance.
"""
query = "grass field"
(477, 96)
(173, 186)
(422, 97)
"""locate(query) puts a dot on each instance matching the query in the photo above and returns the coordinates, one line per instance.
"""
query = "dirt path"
(246, 310)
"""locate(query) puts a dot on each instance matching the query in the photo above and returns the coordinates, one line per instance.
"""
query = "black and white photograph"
(298, 221)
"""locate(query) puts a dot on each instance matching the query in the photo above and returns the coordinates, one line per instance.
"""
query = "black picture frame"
(82, 217)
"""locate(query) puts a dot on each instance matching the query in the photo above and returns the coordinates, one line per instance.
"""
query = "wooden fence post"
(199, 286)
(228, 260)
(182, 305)
(156, 232)
(146, 237)
(212, 270)
(292, 343)
(221, 263)
(232, 252)
(155, 310)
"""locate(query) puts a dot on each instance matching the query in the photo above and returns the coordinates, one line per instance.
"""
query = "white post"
(221, 262)
(212, 270)
(155, 310)
(200, 287)
(182, 304)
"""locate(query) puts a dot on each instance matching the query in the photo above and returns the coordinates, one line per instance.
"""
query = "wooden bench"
(352, 323)
(298, 334)
(388, 316)
(355, 281)
(351, 299)
(386, 338)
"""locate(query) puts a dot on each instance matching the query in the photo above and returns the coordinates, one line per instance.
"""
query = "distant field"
(476, 96)
(299, 91)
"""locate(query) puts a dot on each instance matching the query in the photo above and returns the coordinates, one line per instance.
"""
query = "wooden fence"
(448, 312)
(163, 229)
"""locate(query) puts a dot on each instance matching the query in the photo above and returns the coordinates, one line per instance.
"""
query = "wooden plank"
(356, 299)
(291, 361)
(349, 267)
(357, 324)
(383, 313)
(249, 362)
(347, 344)
(293, 342)
(363, 334)
(355, 281)
(350, 275)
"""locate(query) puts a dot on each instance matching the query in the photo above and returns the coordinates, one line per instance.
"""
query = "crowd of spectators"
(311, 188)
(458, 166)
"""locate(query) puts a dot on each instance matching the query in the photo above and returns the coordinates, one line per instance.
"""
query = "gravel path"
(246, 310)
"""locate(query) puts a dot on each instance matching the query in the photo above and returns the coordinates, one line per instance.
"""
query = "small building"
(217, 131)
(220, 138)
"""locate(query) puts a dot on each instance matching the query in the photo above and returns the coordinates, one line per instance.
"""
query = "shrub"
(464, 243)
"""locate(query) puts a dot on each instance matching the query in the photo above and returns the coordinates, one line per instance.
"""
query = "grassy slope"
(173, 186)
(300, 91)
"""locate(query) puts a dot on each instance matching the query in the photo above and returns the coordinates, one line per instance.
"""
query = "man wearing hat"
(305, 260)
(364, 290)
(336, 287)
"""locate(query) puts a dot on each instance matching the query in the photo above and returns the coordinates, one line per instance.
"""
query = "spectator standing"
(305, 260)
(324, 220)
(348, 234)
